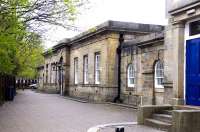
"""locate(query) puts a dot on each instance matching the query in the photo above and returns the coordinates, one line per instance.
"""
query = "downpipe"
(118, 98)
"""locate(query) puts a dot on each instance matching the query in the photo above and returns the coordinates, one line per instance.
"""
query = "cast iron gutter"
(121, 40)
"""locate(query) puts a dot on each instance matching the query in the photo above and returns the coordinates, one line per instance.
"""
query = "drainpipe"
(121, 40)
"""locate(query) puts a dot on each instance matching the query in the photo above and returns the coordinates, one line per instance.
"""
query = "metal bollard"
(119, 129)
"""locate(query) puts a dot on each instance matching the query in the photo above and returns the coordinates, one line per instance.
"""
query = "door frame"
(187, 37)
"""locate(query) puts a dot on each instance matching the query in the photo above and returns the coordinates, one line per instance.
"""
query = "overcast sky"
(141, 11)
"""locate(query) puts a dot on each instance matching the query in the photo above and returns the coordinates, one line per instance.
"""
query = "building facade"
(92, 59)
(142, 70)
(182, 44)
(53, 74)
(181, 71)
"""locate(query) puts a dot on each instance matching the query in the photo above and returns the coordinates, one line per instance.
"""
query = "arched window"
(130, 75)
(159, 74)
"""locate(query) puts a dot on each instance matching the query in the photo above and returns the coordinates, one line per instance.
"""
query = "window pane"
(97, 77)
(130, 71)
(97, 61)
(76, 70)
(131, 80)
(85, 63)
(160, 81)
(97, 68)
(162, 73)
(159, 74)
(194, 28)
(131, 75)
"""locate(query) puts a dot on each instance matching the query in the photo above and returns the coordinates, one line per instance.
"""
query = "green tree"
(20, 29)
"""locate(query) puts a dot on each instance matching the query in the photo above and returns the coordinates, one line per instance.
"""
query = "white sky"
(141, 11)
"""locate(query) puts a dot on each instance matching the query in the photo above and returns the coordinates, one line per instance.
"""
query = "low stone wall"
(134, 100)
(97, 94)
(186, 121)
(147, 111)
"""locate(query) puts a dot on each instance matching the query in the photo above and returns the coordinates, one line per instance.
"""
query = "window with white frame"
(97, 68)
(159, 74)
(85, 69)
(75, 70)
(130, 75)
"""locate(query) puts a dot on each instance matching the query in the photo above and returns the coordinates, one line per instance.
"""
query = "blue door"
(193, 72)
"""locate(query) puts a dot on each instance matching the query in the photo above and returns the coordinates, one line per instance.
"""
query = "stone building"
(178, 52)
(136, 63)
(93, 60)
(181, 71)
(139, 64)
(182, 44)
(142, 70)
(53, 74)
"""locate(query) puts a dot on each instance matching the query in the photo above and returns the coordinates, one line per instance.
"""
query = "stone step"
(163, 117)
(158, 124)
(167, 112)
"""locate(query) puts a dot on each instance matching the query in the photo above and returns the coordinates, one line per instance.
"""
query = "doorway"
(192, 66)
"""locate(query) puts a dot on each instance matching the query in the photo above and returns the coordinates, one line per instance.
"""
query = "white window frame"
(130, 75)
(97, 67)
(75, 70)
(156, 77)
(85, 69)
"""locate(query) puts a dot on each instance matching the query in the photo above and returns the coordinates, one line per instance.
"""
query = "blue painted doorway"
(192, 91)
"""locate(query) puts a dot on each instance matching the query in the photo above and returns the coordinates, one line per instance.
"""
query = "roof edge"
(118, 26)
(145, 39)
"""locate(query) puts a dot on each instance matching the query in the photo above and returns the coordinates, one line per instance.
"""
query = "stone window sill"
(159, 90)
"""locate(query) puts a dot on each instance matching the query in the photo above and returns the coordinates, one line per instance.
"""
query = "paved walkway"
(36, 112)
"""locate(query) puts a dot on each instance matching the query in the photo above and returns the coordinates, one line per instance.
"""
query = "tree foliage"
(20, 31)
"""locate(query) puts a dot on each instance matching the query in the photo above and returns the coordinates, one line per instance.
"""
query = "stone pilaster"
(178, 63)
